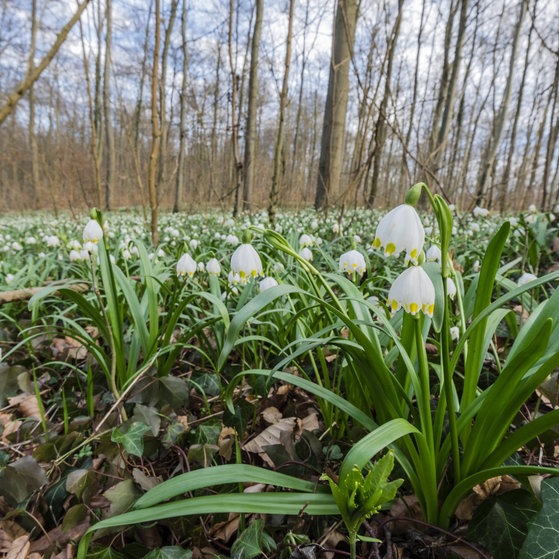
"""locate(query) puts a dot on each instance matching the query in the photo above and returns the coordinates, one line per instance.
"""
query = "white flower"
(194, 244)
(450, 288)
(433, 253)
(90, 247)
(353, 262)
(306, 254)
(9, 278)
(126, 254)
(414, 291)
(75, 255)
(213, 267)
(525, 278)
(401, 229)
(475, 227)
(232, 240)
(305, 240)
(246, 263)
(454, 332)
(52, 241)
(74, 244)
(532, 208)
(92, 232)
(186, 265)
(201, 266)
(30, 241)
(267, 283)
(480, 212)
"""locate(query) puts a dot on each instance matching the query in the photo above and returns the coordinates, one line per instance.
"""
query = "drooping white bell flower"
(213, 267)
(305, 240)
(186, 266)
(353, 261)
(92, 232)
(306, 254)
(413, 291)
(401, 230)
(433, 254)
(454, 333)
(267, 283)
(246, 263)
(525, 278)
(480, 212)
(450, 288)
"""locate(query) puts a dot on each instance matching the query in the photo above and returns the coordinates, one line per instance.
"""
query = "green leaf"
(20, 479)
(501, 523)
(169, 552)
(106, 553)
(122, 496)
(253, 542)
(132, 439)
(542, 541)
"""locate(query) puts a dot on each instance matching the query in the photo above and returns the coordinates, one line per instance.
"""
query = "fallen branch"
(26, 294)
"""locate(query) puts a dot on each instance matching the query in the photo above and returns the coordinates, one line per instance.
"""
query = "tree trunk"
(250, 141)
(109, 132)
(155, 130)
(179, 184)
(494, 141)
(333, 128)
(277, 174)
(380, 128)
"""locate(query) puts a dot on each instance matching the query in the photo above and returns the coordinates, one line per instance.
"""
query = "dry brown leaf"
(225, 530)
(271, 414)
(272, 435)
(225, 442)
(35, 556)
(19, 548)
(9, 531)
(60, 537)
(27, 404)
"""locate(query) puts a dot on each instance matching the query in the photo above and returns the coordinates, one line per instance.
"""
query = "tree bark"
(155, 129)
(250, 141)
(277, 174)
(333, 128)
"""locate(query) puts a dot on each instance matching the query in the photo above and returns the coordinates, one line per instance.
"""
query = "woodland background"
(249, 104)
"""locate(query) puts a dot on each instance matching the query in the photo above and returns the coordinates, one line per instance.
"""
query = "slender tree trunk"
(179, 184)
(155, 130)
(380, 128)
(237, 165)
(250, 141)
(277, 174)
(491, 151)
(109, 132)
(35, 175)
(333, 128)
(162, 168)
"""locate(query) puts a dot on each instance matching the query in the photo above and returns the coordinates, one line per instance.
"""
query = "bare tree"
(34, 73)
(155, 129)
(333, 128)
(277, 173)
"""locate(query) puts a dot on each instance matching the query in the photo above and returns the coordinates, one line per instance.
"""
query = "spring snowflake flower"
(454, 332)
(232, 240)
(305, 240)
(92, 232)
(450, 288)
(306, 254)
(246, 263)
(401, 230)
(267, 283)
(186, 265)
(413, 291)
(525, 278)
(213, 267)
(352, 262)
(480, 212)
(433, 254)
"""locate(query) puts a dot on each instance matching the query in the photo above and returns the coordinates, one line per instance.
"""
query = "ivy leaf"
(133, 438)
(542, 540)
(500, 523)
(169, 552)
(253, 542)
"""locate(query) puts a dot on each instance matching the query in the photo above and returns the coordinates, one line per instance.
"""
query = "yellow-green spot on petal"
(376, 242)
(414, 308)
(390, 249)
(394, 305)
(413, 254)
